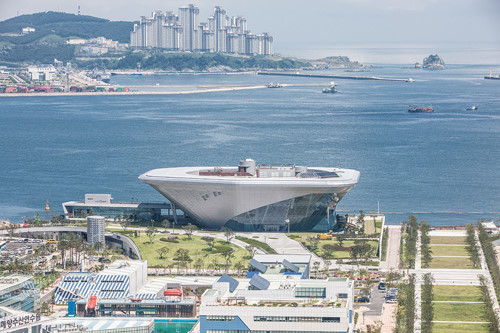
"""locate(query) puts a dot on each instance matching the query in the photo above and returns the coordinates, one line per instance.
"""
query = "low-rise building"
(41, 73)
(19, 292)
(122, 278)
(102, 204)
(285, 304)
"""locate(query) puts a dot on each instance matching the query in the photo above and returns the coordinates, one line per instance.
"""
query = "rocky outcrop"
(433, 62)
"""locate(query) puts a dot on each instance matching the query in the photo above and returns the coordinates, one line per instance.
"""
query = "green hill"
(64, 25)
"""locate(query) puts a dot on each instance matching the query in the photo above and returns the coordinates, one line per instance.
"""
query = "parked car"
(391, 299)
(363, 299)
(381, 286)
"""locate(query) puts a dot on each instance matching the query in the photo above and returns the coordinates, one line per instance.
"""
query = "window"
(220, 318)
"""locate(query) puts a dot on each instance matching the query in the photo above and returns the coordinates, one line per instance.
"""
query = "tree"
(182, 256)
(239, 266)
(189, 229)
(165, 224)
(251, 248)
(328, 250)
(316, 265)
(200, 291)
(228, 233)
(340, 239)
(11, 229)
(98, 246)
(124, 224)
(210, 241)
(427, 306)
(162, 251)
(227, 254)
(313, 242)
(150, 232)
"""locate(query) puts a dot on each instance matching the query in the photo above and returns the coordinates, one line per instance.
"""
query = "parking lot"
(21, 249)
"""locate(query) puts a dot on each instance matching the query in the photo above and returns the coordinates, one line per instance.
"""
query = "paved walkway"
(392, 259)
(389, 318)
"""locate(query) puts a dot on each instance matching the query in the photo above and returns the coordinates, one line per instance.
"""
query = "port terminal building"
(103, 205)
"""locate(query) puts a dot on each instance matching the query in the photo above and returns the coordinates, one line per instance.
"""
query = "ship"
(472, 108)
(492, 77)
(331, 89)
(413, 108)
(251, 197)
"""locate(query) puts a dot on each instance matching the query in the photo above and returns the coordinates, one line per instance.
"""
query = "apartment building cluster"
(184, 32)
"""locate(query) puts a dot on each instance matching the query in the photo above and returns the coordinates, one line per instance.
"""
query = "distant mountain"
(63, 25)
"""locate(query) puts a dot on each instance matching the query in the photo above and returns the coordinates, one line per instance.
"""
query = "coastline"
(122, 93)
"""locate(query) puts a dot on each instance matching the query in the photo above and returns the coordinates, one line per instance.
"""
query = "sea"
(442, 166)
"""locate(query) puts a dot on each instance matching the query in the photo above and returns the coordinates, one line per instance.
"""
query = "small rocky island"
(431, 62)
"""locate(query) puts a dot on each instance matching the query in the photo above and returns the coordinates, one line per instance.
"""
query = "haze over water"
(59, 148)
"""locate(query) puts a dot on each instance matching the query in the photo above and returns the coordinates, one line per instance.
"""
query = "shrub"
(169, 240)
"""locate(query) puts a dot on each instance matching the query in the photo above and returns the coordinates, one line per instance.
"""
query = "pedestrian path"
(392, 258)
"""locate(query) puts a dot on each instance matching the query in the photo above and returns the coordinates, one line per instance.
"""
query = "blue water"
(445, 163)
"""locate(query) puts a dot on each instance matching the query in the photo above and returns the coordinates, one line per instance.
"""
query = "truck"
(325, 236)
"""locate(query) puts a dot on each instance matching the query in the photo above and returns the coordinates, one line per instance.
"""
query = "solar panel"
(258, 266)
(259, 282)
(290, 266)
(232, 282)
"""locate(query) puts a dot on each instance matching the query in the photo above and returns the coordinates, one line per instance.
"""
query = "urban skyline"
(185, 32)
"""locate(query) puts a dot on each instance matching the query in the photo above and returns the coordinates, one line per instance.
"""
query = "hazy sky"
(328, 25)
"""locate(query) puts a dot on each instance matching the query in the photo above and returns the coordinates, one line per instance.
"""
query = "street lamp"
(287, 221)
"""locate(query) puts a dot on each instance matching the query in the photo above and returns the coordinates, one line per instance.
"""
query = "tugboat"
(331, 89)
(472, 108)
(413, 108)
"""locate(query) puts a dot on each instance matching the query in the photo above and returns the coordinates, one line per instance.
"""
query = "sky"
(369, 30)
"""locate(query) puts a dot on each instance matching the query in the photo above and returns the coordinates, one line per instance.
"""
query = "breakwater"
(335, 76)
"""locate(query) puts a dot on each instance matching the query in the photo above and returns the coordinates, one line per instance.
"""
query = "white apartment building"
(96, 230)
(184, 32)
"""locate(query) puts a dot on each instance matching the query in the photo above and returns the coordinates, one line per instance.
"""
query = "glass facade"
(136, 214)
(312, 212)
(310, 292)
(19, 292)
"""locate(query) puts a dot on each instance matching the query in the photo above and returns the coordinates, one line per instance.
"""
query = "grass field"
(459, 312)
(459, 328)
(302, 237)
(457, 293)
(449, 251)
(459, 263)
(197, 248)
(458, 240)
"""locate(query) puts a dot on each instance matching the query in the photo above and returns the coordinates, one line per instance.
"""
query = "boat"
(492, 77)
(274, 85)
(472, 108)
(331, 89)
(413, 108)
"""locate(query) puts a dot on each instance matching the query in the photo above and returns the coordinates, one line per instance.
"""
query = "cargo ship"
(413, 108)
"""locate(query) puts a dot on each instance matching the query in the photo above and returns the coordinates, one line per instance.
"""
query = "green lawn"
(302, 237)
(457, 293)
(449, 251)
(196, 246)
(459, 312)
(459, 328)
(459, 263)
(448, 240)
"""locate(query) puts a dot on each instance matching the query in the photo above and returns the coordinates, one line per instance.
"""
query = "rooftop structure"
(251, 197)
(122, 278)
(284, 305)
(101, 325)
(291, 265)
(19, 292)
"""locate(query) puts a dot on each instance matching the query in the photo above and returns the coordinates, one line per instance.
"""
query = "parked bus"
(51, 241)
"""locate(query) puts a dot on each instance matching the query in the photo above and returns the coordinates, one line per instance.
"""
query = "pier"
(335, 76)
